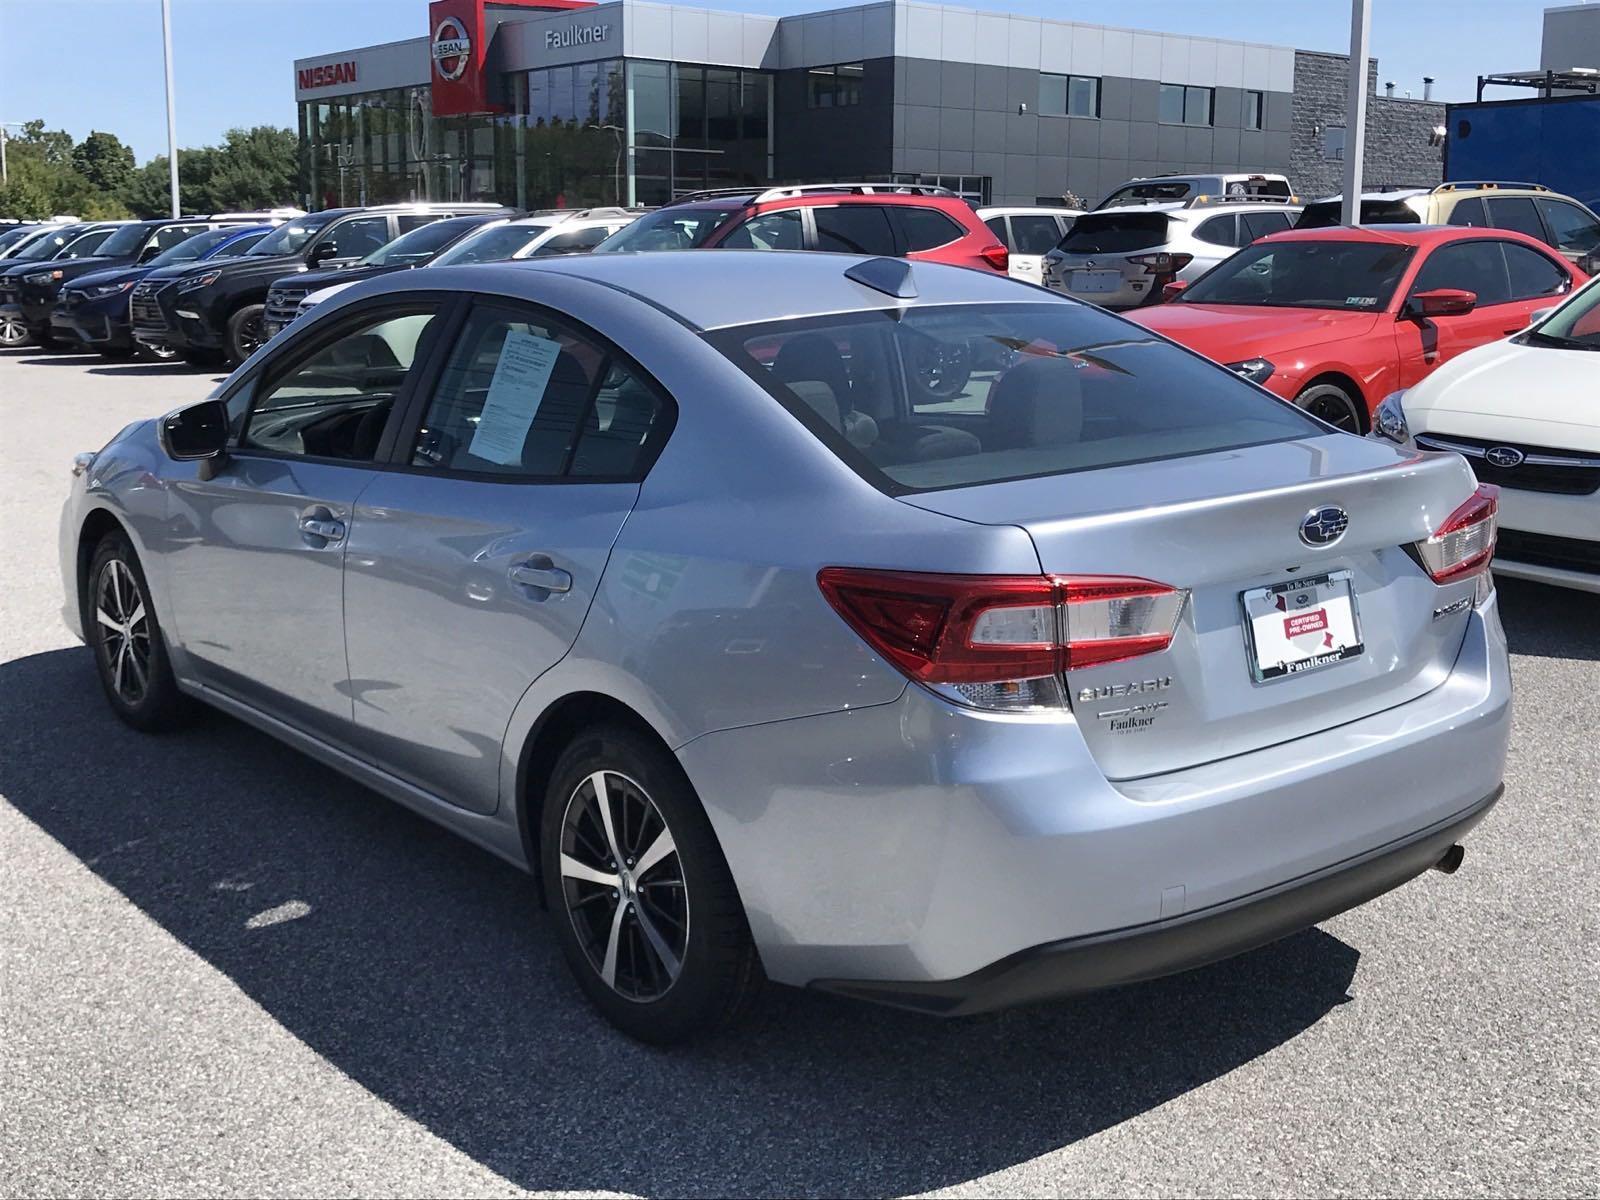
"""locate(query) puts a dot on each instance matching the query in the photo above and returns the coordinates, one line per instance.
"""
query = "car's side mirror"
(1441, 302)
(1540, 314)
(322, 252)
(1171, 290)
(199, 431)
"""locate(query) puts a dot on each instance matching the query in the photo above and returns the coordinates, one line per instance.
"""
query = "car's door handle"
(322, 527)
(537, 575)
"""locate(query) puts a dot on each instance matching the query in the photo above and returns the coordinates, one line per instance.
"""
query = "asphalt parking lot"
(224, 970)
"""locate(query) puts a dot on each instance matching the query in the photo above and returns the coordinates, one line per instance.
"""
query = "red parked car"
(894, 220)
(1335, 319)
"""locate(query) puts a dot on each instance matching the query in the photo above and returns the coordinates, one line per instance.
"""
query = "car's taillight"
(997, 256)
(1161, 263)
(1464, 544)
(1002, 641)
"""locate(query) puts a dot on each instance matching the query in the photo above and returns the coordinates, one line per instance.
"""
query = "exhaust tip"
(1451, 861)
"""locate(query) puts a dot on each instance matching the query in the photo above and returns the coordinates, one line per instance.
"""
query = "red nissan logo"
(452, 49)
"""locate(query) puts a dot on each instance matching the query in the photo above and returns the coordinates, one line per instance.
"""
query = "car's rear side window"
(925, 228)
(1516, 212)
(943, 397)
(854, 229)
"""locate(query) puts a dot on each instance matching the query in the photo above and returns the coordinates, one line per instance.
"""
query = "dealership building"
(563, 103)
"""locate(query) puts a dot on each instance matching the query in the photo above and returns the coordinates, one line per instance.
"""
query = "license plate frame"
(1079, 281)
(1333, 585)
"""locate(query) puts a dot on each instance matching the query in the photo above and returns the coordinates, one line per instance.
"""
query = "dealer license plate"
(1300, 626)
(1096, 282)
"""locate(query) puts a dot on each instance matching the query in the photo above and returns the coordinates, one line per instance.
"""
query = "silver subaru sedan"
(685, 582)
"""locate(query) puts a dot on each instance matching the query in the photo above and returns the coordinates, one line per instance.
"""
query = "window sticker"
(1360, 301)
(515, 393)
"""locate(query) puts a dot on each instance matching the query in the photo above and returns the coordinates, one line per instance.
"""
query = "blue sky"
(234, 57)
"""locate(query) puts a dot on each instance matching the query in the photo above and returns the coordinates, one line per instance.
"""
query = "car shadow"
(423, 969)
(125, 370)
(1549, 622)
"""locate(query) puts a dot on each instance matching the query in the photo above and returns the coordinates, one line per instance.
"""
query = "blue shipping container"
(1553, 142)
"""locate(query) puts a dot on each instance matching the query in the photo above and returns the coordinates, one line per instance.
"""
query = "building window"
(1182, 105)
(1069, 96)
(1255, 104)
(1333, 143)
(837, 86)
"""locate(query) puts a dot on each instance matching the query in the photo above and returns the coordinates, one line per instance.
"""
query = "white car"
(1524, 414)
(1029, 232)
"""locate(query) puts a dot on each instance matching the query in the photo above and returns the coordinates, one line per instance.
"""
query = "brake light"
(1161, 263)
(1002, 641)
(1464, 544)
(997, 256)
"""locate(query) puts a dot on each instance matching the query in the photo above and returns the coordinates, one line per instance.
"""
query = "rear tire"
(664, 952)
(247, 332)
(1334, 405)
(130, 654)
(13, 334)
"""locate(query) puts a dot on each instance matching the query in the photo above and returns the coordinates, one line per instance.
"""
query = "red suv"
(896, 220)
(1335, 319)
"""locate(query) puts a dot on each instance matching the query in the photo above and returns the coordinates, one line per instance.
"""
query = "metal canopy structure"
(1547, 83)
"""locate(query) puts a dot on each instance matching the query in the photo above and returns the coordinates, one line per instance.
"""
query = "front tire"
(645, 907)
(1334, 405)
(247, 332)
(13, 334)
(130, 654)
(157, 354)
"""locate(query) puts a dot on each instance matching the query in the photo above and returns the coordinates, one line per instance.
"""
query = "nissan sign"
(452, 49)
(327, 75)
(575, 35)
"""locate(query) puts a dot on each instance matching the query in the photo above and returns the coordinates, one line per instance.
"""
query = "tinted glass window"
(1218, 231)
(191, 248)
(574, 241)
(1572, 229)
(784, 230)
(335, 403)
(125, 240)
(1359, 276)
(668, 229)
(1171, 108)
(1469, 212)
(1476, 266)
(1260, 225)
(242, 245)
(1532, 274)
(997, 226)
(854, 229)
(358, 236)
(406, 222)
(88, 244)
(1090, 391)
(1326, 213)
(1115, 233)
(417, 246)
(49, 244)
(1197, 106)
(490, 245)
(1035, 234)
(527, 397)
(925, 228)
(1516, 212)
(286, 239)
(1254, 107)
(169, 236)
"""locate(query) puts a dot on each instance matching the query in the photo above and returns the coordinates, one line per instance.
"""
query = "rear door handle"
(322, 527)
(534, 575)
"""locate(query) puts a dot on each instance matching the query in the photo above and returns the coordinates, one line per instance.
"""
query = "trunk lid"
(1221, 524)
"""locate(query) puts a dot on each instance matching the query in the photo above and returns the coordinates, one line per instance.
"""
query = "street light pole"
(172, 111)
(5, 125)
(1355, 125)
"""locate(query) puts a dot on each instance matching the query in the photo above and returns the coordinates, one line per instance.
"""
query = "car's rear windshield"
(421, 244)
(194, 248)
(1352, 276)
(953, 396)
(1147, 193)
(289, 237)
(685, 228)
(1115, 233)
(1323, 213)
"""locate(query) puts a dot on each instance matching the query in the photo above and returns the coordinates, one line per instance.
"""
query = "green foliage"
(97, 178)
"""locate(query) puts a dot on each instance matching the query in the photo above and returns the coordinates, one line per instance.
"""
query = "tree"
(54, 145)
(254, 168)
(104, 161)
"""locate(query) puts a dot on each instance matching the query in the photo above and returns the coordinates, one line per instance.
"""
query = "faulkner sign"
(327, 75)
(575, 35)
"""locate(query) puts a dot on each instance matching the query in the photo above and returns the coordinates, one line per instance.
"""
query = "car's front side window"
(334, 402)
(780, 230)
(1475, 266)
(527, 397)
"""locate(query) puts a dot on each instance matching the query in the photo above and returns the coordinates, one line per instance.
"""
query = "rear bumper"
(915, 847)
(1160, 948)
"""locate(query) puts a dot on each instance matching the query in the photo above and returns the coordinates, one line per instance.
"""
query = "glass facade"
(612, 132)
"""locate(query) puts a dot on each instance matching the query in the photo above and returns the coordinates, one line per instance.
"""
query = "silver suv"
(1123, 257)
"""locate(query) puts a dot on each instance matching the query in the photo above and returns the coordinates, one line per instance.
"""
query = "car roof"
(1027, 210)
(1406, 235)
(739, 287)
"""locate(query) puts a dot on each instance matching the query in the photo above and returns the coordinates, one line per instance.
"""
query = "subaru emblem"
(1504, 456)
(1324, 526)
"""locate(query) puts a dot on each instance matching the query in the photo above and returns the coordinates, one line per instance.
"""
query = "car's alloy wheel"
(624, 886)
(123, 619)
(247, 332)
(1334, 405)
(156, 353)
(13, 333)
